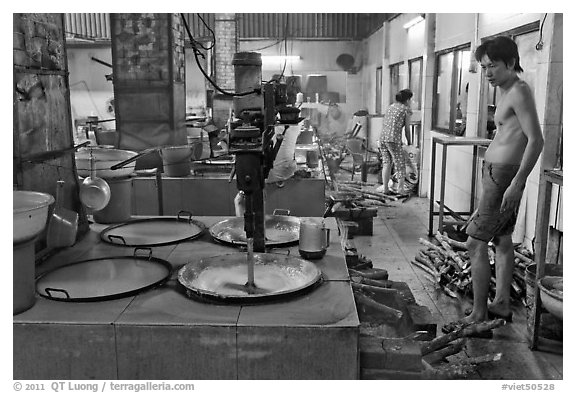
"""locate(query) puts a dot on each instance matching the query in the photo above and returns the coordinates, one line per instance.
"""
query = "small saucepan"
(94, 191)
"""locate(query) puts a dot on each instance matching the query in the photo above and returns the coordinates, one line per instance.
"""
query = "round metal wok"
(224, 277)
(158, 231)
(280, 231)
(104, 159)
(104, 278)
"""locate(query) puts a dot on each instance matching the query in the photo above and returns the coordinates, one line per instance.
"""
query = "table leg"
(474, 176)
(431, 196)
(540, 244)
(442, 189)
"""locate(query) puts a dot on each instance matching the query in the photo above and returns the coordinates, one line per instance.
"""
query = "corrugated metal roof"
(96, 26)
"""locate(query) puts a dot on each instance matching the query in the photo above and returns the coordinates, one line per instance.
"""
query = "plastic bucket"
(23, 276)
(176, 160)
(312, 158)
(549, 326)
(119, 208)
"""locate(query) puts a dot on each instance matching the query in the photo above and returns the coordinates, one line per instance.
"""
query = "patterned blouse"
(394, 120)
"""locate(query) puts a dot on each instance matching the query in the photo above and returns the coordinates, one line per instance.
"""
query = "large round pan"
(224, 277)
(280, 231)
(103, 278)
(154, 231)
(104, 159)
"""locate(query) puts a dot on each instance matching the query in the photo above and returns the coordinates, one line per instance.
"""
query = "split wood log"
(449, 250)
(374, 273)
(358, 183)
(372, 202)
(373, 289)
(424, 260)
(453, 348)
(437, 258)
(389, 314)
(377, 198)
(523, 258)
(488, 358)
(428, 270)
(433, 246)
(449, 292)
(453, 243)
(366, 192)
(473, 328)
(366, 281)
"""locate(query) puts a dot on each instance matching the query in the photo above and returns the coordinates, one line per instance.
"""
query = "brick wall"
(226, 46)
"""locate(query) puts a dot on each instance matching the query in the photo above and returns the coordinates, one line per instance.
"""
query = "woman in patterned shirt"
(397, 116)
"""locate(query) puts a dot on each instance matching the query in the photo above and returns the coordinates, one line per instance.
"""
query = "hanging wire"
(540, 43)
(211, 32)
(198, 53)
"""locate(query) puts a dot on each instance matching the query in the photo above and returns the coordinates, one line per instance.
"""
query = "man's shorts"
(488, 222)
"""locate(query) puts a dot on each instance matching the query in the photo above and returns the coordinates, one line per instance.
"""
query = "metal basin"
(223, 277)
(552, 294)
(280, 231)
(103, 160)
(30, 214)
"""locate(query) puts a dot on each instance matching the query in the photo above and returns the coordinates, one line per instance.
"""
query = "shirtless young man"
(508, 161)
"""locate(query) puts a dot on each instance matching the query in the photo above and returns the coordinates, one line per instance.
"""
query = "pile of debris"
(447, 265)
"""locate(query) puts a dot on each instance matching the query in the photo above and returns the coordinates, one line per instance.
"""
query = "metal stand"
(549, 178)
(446, 141)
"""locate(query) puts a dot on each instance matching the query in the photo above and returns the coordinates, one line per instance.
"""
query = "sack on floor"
(411, 154)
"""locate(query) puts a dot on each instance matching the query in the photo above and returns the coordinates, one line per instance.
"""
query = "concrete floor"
(394, 244)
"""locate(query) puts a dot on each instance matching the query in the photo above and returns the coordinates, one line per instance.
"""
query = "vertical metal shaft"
(250, 258)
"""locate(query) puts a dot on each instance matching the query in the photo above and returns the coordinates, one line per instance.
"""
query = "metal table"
(446, 141)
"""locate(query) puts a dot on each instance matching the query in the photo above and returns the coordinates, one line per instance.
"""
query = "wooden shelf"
(549, 177)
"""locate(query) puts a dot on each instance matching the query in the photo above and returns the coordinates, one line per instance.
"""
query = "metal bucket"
(176, 160)
(119, 208)
(23, 287)
(549, 326)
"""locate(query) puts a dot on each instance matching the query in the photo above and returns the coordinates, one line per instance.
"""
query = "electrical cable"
(211, 32)
(197, 53)
(540, 44)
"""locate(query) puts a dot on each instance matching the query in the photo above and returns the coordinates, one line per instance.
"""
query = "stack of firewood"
(436, 353)
(447, 264)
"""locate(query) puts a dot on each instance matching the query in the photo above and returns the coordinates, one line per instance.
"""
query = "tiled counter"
(164, 334)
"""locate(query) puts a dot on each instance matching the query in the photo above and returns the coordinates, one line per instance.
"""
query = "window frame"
(454, 81)
(379, 82)
(491, 99)
(394, 87)
(418, 92)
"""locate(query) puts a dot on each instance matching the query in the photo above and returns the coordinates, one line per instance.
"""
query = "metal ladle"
(94, 191)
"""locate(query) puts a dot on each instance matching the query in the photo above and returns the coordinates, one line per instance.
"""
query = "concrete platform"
(164, 334)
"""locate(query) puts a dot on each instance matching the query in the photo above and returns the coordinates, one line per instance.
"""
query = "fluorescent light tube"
(277, 59)
(413, 22)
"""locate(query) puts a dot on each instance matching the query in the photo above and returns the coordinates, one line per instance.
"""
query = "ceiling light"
(277, 59)
(413, 22)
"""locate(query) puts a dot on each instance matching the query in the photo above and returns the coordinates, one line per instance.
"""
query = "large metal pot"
(104, 159)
